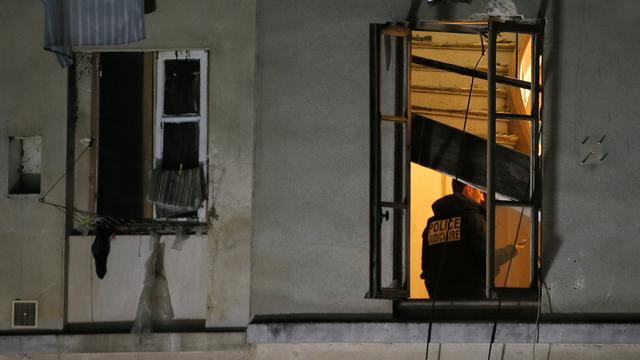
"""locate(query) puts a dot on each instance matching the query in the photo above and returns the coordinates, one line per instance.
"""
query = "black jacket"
(453, 249)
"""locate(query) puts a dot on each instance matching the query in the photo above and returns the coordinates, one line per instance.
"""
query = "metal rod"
(535, 155)
(521, 28)
(374, 159)
(469, 72)
(507, 116)
(399, 119)
(513, 203)
(491, 163)
(72, 119)
(378, 175)
(393, 205)
(451, 27)
(407, 129)
(528, 27)
(398, 162)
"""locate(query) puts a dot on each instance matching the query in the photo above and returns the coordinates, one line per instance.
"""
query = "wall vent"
(24, 314)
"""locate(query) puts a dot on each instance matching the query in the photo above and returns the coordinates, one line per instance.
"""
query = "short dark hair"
(457, 186)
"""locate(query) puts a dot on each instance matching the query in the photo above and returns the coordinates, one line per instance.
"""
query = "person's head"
(467, 191)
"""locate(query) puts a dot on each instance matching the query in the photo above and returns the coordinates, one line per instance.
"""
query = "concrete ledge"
(98, 343)
(407, 332)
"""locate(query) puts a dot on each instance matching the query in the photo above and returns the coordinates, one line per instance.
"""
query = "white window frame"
(161, 118)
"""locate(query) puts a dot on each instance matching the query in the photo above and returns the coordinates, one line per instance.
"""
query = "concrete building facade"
(282, 269)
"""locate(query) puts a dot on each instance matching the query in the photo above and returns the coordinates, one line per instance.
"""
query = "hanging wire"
(69, 169)
(464, 129)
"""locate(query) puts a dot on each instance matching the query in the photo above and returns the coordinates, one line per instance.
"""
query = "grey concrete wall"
(310, 243)
(33, 101)
(590, 222)
(115, 297)
(311, 234)
(367, 351)
(311, 228)
(444, 351)
(227, 29)
(310, 212)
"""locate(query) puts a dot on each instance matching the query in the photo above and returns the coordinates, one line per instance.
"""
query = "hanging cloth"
(100, 249)
(154, 305)
(74, 23)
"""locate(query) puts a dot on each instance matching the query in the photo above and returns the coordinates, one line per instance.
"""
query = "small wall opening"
(25, 158)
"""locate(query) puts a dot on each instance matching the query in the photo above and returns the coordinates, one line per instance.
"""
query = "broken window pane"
(182, 87)
(180, 145)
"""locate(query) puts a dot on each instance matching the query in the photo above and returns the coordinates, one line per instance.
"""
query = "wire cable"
(95, 216)
(69, 168)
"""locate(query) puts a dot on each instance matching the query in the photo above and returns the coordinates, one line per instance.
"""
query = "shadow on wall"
(552, 97)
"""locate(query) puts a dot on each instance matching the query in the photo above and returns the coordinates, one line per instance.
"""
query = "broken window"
(178, 182)
(25, 158)
(149, 117)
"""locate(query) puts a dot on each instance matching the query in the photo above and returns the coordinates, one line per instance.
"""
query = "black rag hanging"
(100, 250)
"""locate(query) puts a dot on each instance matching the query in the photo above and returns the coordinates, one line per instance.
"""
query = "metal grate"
(25, 314)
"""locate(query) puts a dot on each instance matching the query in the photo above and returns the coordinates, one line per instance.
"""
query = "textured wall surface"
(310, 245)
(33, 102)
(366, 351)
(303, 239)
(590, 222)
(116, 296)
(311, 226)
(227, 29)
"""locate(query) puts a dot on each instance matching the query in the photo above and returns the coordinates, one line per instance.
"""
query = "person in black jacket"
(453, 246)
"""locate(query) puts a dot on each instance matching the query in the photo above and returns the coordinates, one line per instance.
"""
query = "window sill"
(467, 310)
(160, 227)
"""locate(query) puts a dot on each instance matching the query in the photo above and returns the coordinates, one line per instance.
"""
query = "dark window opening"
(180, 150)
(120, 159)
(25, 156)
(182, 87)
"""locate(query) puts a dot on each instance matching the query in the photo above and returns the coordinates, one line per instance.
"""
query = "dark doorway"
(120, 160)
